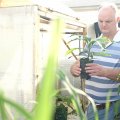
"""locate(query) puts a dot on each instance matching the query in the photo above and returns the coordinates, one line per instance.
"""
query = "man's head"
(108, 19)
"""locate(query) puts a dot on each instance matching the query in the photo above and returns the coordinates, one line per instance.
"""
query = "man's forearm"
(112, 74)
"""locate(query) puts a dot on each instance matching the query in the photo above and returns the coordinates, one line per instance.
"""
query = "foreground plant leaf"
(16, 106)
(45, 107)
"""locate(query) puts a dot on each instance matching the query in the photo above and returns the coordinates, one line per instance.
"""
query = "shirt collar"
(117, 37)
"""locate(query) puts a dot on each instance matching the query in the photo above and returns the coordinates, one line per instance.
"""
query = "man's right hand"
(75, 69)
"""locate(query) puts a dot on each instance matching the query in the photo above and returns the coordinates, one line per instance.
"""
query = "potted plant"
(86, 54)
(64, 107)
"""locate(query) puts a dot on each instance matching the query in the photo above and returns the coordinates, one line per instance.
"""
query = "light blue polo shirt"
(99, 87)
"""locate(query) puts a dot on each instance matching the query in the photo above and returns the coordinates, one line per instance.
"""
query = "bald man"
(104, 71)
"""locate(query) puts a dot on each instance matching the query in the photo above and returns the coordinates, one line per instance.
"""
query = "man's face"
(107, 20)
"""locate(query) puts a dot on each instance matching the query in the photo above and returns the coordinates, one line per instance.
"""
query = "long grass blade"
(15, 105)
(45, 107)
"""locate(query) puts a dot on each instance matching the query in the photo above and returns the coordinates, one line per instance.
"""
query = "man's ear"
(118, 19)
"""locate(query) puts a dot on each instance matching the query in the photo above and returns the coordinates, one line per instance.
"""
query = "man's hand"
(75, 69)
(95, 70)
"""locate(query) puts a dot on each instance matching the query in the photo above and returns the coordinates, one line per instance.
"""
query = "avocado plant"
(86, 54)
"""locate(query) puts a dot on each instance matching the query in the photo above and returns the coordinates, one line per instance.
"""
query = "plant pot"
(61, 112)
(83, 62)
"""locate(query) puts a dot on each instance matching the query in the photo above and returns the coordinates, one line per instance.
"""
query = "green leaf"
(84, 53)
(90, 44)
(61, 75)
(16, 106)
(119, 90)
(87, 39)
(101, 54)
(71, 50)
(72, 40)
(45, 107)
(103, 42)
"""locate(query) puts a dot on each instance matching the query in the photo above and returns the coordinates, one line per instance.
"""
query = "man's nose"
(104, 24)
